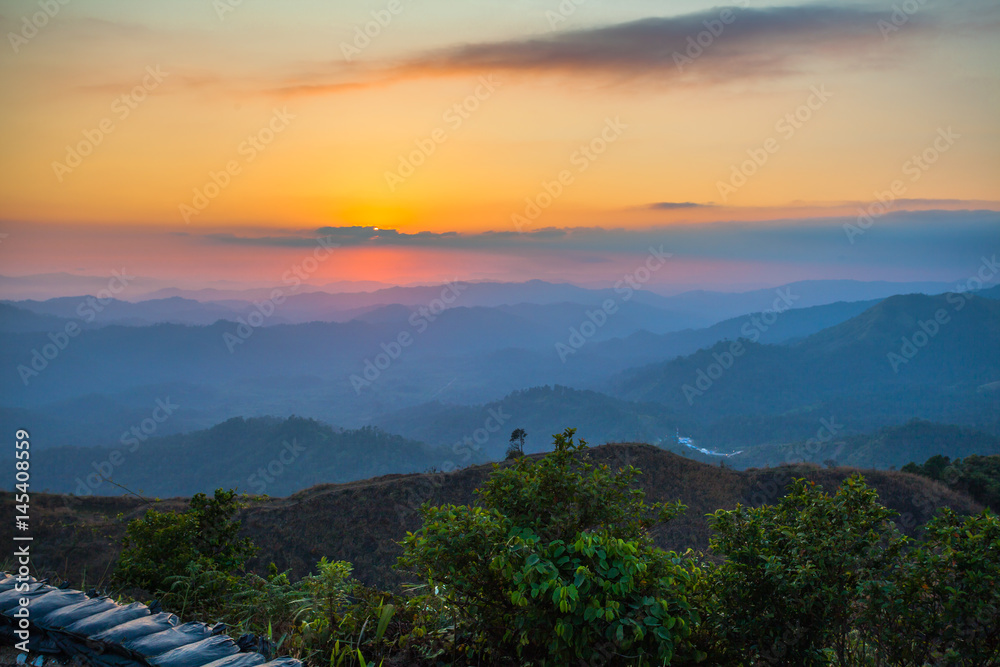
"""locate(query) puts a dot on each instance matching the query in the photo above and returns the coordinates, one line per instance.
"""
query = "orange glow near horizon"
(137, 122)
(329, 163)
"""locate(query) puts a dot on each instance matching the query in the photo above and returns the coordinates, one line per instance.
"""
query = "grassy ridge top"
(77, 537)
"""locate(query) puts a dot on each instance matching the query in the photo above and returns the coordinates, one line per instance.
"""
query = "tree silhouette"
(516, 448)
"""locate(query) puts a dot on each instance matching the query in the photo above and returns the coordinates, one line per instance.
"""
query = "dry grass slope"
(361, 522)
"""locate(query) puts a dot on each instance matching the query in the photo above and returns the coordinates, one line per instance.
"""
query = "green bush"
(557, 566)
(324, 618)
(162, 545)
(795, 574)
(940, 603)
(978, 476)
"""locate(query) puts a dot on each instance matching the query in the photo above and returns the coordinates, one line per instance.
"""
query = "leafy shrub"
(940, 604)
(325, 617)
(162, 545)
(795, 573)
(557, 566)
(978, 476)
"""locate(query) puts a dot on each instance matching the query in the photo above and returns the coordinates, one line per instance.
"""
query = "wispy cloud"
(673, 206)
(754, 43)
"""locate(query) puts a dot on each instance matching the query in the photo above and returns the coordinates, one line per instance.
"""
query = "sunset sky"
(198, 141)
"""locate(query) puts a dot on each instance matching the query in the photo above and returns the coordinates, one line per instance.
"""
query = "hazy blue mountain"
(263, 455)
(50, 285)
(820, 360)
(97, 420)
(306, 303)
(878, 349)
(541, 411)
(14, 319)
(889, 447)
(90, 310)
(643, 346)
(866, 372)
(803, 294)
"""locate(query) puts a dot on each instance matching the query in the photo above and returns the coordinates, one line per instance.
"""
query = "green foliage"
(599, 593)
(340, 622)
(199, 592)
(563, 495)
(323, 618)
(327, 591)
(557, 566)
(932, 468)
(940, 603)
(978, 476)
(795, 573)
(161, 545)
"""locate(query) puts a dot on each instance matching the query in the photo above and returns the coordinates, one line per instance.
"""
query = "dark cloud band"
(936, 238)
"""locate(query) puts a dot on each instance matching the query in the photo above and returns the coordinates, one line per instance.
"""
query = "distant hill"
(870, 355)
(262, 455)
(443, 437)
(805, 294)
(541, 411)
(362, 522)
(792, 325)
(14, 319)
(890, 447)
(471, 354)
(175, 310)
(917, 441)
(990, 293)
(809, 363)
(96, 420)
(345, 301)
